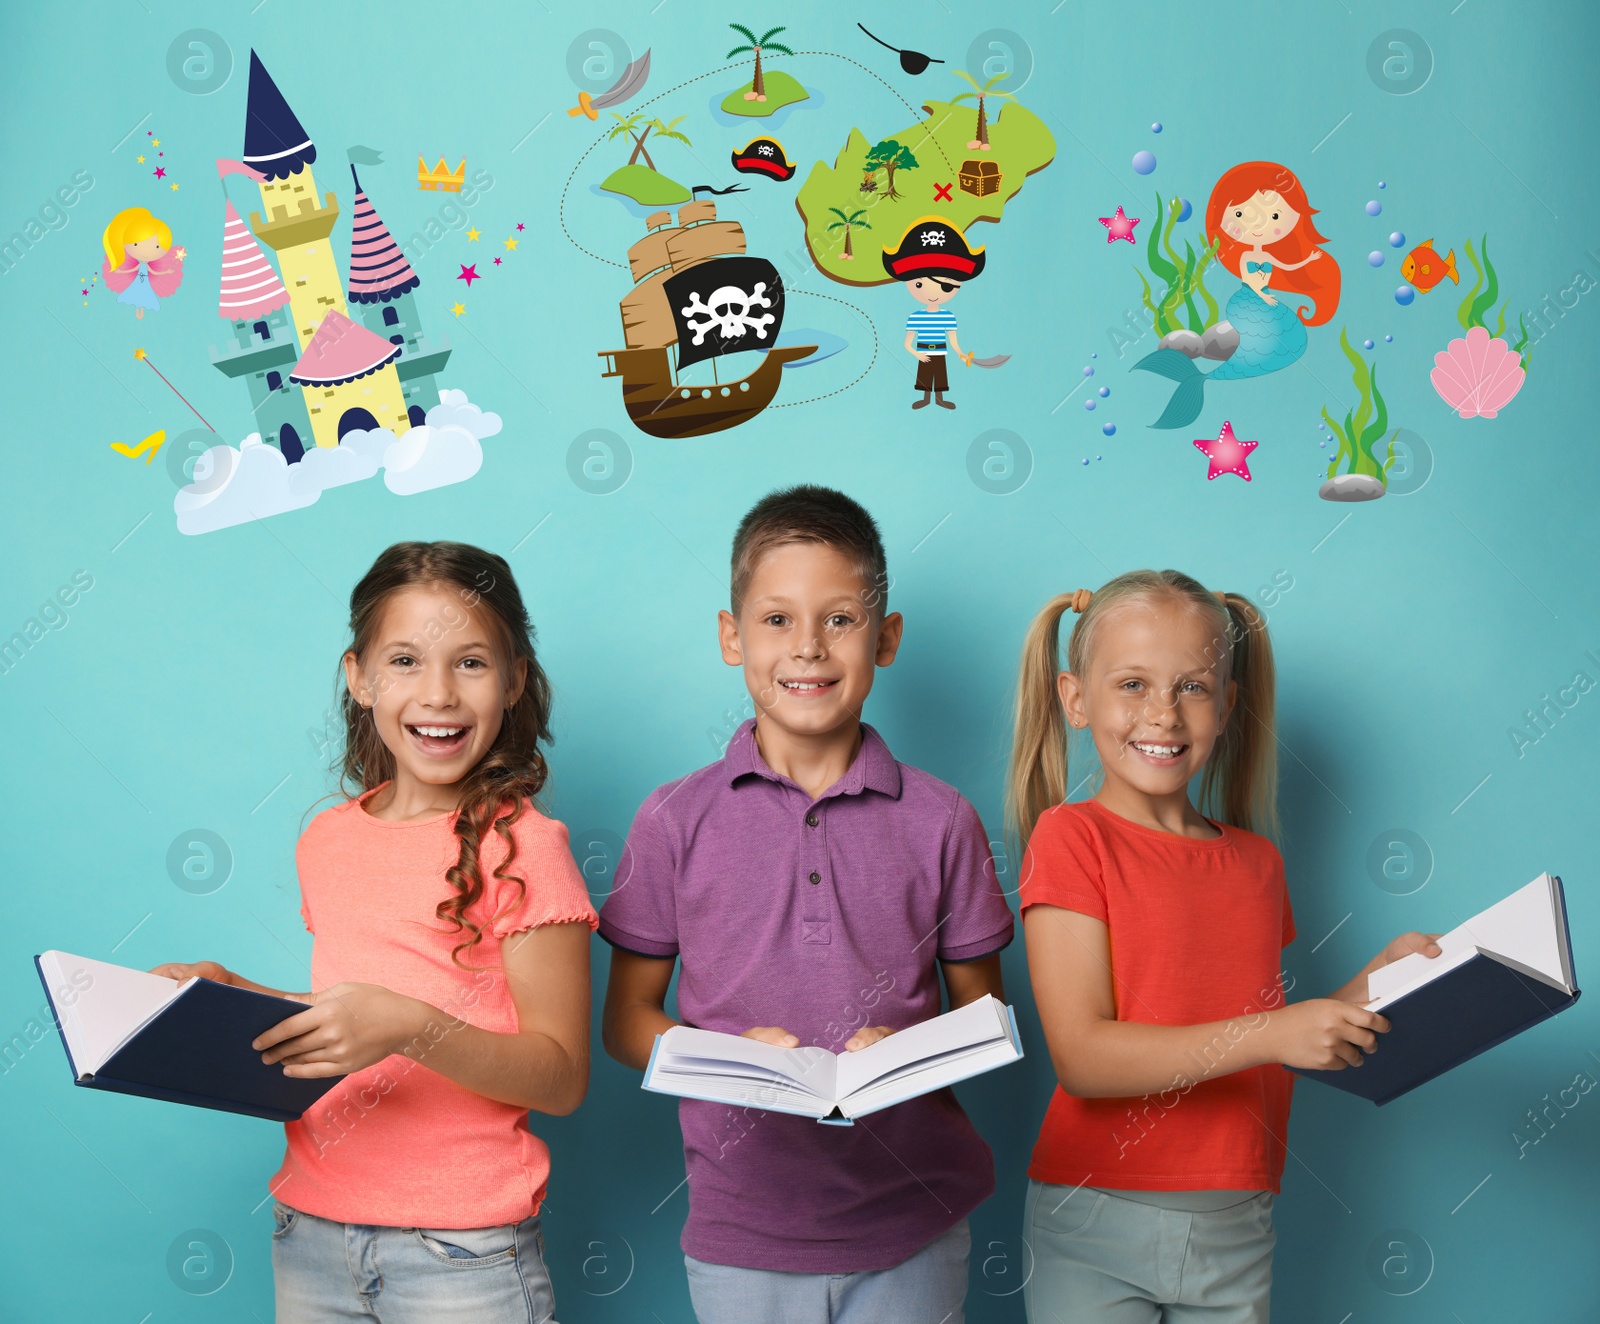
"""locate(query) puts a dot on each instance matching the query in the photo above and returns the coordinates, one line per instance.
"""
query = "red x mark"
(941, 193)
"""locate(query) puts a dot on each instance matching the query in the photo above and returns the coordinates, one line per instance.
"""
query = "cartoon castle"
(311, 370)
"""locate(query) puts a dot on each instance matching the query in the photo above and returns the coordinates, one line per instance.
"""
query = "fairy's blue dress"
(140, 295)
(1271, 335)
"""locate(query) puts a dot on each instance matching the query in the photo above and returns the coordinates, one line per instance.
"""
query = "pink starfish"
(1118, 226)
(160, 171)
(1228, 455)
(469, 274)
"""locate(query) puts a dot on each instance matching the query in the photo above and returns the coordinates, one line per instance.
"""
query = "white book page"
(919, 1079)
(685, 1050)
(111, 1004)
(1522, 927)
(978, 1023)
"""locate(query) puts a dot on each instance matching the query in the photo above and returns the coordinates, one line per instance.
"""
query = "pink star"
(161, 172)
(519, 225)
(1228, 455)
(1118, 227)
(469, 274)
(497, 262)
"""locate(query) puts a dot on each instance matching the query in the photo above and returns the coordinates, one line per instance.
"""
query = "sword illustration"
(993, 362)
(633, 78)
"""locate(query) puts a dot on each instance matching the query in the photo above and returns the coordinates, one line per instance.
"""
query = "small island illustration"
(967, 159)
(769, 90)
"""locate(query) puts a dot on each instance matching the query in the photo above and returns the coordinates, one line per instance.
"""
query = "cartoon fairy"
(1260, 221)
(141, 264)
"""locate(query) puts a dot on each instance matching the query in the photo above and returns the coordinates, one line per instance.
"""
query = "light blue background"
(189, 684)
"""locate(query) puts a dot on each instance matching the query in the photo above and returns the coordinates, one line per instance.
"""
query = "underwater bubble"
(1404, 295)
(1110, 429)
(1086, 459)
(1156, 127)
(1374, 258)
(1397, 240)
(1104, 391)
(1381, 184)
(1388, 340)
(1322, 445)
(1089, 372)
(1088, 404)
(1186, 211)
(1094, 356)
(1366, 344)
(1144, 162)
(1374, 207)
(1097, 457)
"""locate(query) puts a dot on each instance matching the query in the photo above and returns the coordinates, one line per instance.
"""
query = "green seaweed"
(1182, 277)
(1364, 426)
(1479, 299)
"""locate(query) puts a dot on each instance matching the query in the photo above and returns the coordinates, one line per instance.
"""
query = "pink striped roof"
(340, 351)
(378, 269)
(250, 287)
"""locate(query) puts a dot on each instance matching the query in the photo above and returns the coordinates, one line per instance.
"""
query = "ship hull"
(658, 405)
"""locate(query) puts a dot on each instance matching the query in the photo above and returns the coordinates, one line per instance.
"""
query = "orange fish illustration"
(1424, 268)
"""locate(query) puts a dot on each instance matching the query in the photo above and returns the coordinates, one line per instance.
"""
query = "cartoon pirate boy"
(932, 260)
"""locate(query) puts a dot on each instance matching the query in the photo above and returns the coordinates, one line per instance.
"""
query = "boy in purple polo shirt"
(815, 890)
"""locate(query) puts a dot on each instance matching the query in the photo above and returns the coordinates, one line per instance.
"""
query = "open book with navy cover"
(185, 1042)
(1499, 973)
(835, 1087)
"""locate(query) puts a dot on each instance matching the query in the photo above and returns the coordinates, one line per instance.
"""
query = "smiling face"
(1155, 699)
(932, 293)
(146, 250)
(438, 683)
(806, 639)
(1262, 219)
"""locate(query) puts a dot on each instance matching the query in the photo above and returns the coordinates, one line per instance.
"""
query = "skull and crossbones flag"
(763, 156)
(724, 306)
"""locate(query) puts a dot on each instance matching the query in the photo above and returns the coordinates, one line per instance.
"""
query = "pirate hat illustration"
(763, 156)
(933, 247)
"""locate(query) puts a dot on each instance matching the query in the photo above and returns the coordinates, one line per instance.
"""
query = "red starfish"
(1228, 455)
(469, 274)
(161, 172)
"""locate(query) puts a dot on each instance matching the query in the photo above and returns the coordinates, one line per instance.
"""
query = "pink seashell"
(1478, 375)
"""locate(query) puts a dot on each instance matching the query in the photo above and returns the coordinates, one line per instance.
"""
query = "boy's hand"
(1404, 945)
(920, 356)
(1324, 1034)
(867, 1034)
(772, 1034)
(345, 1028)
(204, 969)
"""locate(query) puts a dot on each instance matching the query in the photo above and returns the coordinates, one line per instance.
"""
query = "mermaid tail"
(1271, 337)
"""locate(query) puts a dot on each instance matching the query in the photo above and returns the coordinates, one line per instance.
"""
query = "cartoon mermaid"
(1255, 207)
(141, 264)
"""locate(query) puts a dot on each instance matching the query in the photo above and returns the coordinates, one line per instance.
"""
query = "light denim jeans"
(928, 1288)
(1148, 1257)
(328, 1273)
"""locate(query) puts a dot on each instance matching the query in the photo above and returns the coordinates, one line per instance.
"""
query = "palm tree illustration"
(980, 136)
(629, 125)
(856, 219)
(758, 85)
(889, 156)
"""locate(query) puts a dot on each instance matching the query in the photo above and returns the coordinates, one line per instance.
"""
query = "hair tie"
(1222, 597)
(1079, 600)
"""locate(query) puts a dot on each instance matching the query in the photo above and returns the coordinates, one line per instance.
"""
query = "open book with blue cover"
(835, 1087)
(1499, 973)
(185, 1042)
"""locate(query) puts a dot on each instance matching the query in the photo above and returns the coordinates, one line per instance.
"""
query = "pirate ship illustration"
(696, 291)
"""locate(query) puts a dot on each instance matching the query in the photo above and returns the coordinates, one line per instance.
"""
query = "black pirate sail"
(696, 289)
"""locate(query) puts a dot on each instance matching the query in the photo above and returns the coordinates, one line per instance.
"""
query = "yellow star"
(472, 235)
(174, 188)
(138, 353)
(155, 142)
(139, 161)
(180, 252)
(511, 243)
(457, 309)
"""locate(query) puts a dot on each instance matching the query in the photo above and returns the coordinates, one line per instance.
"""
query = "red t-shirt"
(1196, 931)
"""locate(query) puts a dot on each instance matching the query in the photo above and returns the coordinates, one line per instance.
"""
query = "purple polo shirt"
(819, 916)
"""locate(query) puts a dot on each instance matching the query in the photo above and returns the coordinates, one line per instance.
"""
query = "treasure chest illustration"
(980, 178)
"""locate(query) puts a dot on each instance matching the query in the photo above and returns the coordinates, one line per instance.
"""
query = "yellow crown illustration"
(441, 178)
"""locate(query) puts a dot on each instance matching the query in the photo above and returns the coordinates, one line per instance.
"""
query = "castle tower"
(381, 285)
(253, 299)
(297, 224)
(350, 382)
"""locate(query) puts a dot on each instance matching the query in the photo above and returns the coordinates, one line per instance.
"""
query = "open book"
(185, 1042)
(1505, 969)
(835, 1087)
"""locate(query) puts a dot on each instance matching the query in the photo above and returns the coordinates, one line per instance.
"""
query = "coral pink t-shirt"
(397, 1144)
(1196, 928)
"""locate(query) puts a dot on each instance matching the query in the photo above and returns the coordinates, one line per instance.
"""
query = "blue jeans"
(928, 1288)
(325, 1272)
(1148, 1257)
